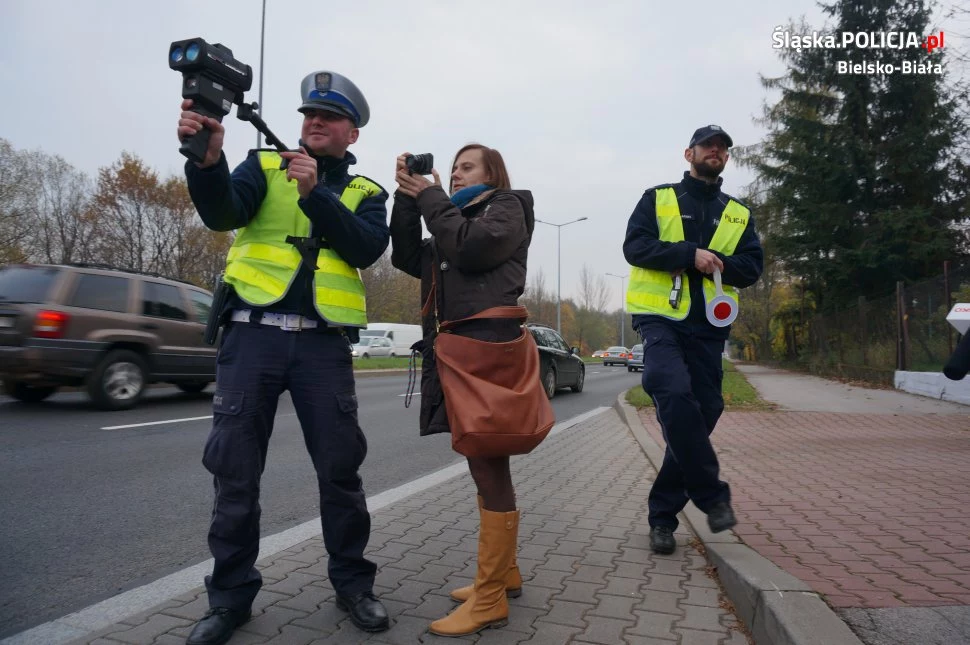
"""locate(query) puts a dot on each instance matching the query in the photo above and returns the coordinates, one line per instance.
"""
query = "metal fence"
(903, 331)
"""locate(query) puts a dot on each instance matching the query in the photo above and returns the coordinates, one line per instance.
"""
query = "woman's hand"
(412, 185)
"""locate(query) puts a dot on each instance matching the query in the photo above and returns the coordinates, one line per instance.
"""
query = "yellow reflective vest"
(649, 290)
(261, 265)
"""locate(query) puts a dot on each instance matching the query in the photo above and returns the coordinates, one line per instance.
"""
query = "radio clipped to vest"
(677, 291)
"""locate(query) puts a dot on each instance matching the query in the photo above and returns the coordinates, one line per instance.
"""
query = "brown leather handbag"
(494, 401)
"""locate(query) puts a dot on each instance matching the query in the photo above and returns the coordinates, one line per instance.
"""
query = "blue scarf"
(465, 195)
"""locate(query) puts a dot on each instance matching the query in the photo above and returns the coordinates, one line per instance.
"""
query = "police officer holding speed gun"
(297, 299)
(691, 247)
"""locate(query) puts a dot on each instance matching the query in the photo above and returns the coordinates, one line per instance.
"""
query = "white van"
(401, 338)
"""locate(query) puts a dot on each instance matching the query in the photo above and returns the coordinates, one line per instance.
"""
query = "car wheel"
(580, 380)
(192, 387)
(118, 381)
(27, 393)
(549, 381)
(629, 369)
(366, 356)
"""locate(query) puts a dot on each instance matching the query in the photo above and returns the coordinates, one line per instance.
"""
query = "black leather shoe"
(721, 518)
(662, 540)
(217, 626)
(366, 611)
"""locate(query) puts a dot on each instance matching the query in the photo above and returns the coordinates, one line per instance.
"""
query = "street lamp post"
(262, 40)
(559, 268)
(622, 308)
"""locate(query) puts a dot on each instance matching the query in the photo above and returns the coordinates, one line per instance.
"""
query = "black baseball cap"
(706, 132)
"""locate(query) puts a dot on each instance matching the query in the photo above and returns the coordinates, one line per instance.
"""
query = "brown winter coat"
(481, 252)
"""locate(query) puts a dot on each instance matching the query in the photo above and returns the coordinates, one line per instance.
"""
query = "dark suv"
(559, 364)
(109, 331)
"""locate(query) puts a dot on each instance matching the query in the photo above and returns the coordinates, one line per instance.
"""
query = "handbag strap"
(518, 311)
(429, 303)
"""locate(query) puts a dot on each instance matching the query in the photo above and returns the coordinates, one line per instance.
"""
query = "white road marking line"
(158, 423)
(155, 423)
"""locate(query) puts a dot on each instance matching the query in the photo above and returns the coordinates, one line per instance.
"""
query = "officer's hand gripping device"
(214, 80)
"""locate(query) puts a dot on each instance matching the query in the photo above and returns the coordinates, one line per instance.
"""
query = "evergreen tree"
(861, 170)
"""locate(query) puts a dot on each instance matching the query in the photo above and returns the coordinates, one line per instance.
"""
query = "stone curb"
(777, 607)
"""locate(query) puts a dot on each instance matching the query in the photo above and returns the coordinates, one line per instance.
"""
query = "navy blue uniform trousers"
(682, 374)
(256, 363)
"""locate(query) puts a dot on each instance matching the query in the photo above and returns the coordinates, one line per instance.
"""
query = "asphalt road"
(94, 503)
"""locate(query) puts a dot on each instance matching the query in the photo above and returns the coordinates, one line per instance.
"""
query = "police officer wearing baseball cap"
(708, 132)
(303, 233)
(677, 237)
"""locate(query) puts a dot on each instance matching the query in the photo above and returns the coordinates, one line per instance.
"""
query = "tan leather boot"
(488, 605)
(513, 579)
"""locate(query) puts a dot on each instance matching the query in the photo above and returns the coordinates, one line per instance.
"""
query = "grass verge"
(398, 362)
(738, 393)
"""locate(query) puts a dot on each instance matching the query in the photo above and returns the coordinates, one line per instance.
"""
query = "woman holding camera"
(475, 259)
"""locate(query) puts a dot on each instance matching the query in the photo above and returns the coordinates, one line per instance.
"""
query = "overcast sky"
(589, 105)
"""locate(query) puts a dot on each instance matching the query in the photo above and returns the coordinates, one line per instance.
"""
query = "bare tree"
(593, 295)
(593, 292)
(146, 224)
(392, 295)
(538, 300)
(14, 191)
(60, 209)
(129, 213)
(184, 247)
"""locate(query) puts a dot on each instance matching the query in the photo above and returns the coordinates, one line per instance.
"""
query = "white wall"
(934, 385)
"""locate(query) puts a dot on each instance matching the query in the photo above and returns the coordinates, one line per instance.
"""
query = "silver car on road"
(635, 362)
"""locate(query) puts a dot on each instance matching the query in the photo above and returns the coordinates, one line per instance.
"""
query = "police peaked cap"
(325, 90)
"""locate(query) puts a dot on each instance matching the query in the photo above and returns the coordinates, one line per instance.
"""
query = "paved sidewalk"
(589, 574)
(862, 495)
(852, 506)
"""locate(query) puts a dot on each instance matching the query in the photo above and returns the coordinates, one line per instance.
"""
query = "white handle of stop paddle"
(720, 298)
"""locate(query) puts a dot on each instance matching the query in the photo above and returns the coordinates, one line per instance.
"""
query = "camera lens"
(192, 52)
(420, 164)
(177, 55)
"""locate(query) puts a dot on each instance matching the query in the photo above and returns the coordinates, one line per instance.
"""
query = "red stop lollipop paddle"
(721, 309)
